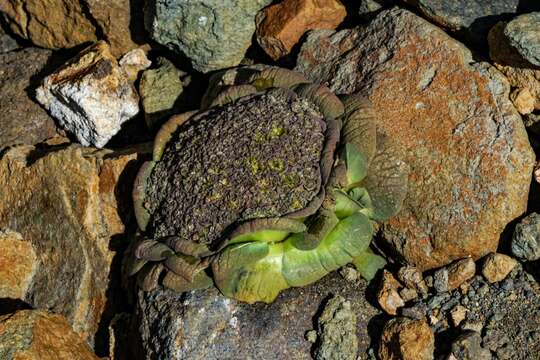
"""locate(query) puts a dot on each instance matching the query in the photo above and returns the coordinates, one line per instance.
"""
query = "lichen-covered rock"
(67, 206)
(523, 77)
(497, 266)
(22, 121)
(120, 21)
(526, 238)
(523, 34)
(17, 265)
(90, 96)
(280, 26)
(337, 331)
(473, 18)
(213, 34)
(160, 90)
(471, 161)
(406, 339)
(206, 325)
(40, 335)
(52, 24)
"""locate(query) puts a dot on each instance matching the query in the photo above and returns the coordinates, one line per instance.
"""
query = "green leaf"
(178, 283)
(348, 239)
(266, 230)
(368, 264)
(319, 226)
(250, 272)
(387, 180)
(356, 164)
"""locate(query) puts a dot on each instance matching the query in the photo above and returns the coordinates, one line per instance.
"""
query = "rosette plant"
(274, 183)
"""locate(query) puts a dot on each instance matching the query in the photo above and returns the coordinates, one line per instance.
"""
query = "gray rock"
(206, 325)
(22, 121)
(213, 34)
(473, 18)
(337, 331)
(523, 34)
(468, 347)
(7, 43)
(526, 238)
(442, 218)
(160, 89)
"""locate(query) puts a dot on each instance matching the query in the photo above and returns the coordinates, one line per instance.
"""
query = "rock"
(412, 278)
(368, 8)
(40, 335)
(406, 339)
(206, 325)
(17, 265)
(120, 21)
(471, 325)
(213, 34)
(133, 63)
(473, 19)
(523, 78)
(160, 90)
(52, 24)
(388, 294)
(22, 121)
(408, 294)
(468, 347)
(350, 274)
(337, 331)
(523, 100)
(280, 26)
(65, 209)
(536, 173)
(7, 43)
(523, 34)
(470, 158)
(526, 238)
(458, 314)
(497, 266)
(454, 275)
(90, 96)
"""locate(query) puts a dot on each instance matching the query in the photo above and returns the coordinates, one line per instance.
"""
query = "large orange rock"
(52, 24)
(451, 117)
(280, 26)
(63, 212)
(40, 335)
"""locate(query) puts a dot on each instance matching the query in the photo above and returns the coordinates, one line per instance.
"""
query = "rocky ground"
(85, 85)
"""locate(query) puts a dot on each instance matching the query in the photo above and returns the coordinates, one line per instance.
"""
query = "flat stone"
(213, 34)
(280, 26)
(406, 339)
(52, 24)
(40, 335)
(7, 43)
(90, 96)
(22, 121)
(523, 33)
(133, 63)
(469, 154)
(526, 238)
(206, 325)
(473, 18)
(67, 205)
(496, 267)
(120, 21)
(160, 90)
(454, 275)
